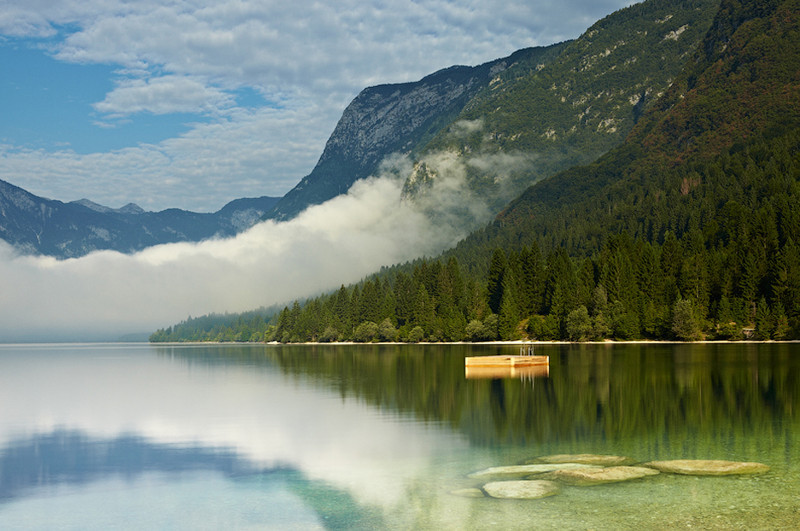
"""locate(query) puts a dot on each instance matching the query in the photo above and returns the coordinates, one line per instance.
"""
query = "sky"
(193, 103)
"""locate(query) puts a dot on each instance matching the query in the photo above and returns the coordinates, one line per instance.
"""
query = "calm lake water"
(136, 436)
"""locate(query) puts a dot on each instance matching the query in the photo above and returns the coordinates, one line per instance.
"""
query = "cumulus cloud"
(105, 294)
(270, 43)
(164, 95)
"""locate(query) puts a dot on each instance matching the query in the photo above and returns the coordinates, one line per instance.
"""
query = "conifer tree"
(685, 324)
(494, 281)
(509, 315)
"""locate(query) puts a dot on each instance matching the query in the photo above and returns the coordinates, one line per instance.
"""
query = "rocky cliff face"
(396, 118)
(35, 225)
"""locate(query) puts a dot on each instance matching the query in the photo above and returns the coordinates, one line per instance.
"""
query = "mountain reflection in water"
(64, 457)
(73, 459)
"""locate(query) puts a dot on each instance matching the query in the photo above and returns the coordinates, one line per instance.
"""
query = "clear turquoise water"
(134, 436)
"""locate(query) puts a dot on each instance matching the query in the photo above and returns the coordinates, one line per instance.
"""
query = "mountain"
(396, 118)
(574, 108)
(690, 228)
(36, 225)
(687, 230)
(504, 124)
(513, 121)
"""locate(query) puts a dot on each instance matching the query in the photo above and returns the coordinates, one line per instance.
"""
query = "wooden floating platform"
(507, 366)
(506, 361)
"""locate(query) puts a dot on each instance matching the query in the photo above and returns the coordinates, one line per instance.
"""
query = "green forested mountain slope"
(723, 110)
(515, 120)
(706, 190)
(690, 229)
(572, 110)
(743, 84)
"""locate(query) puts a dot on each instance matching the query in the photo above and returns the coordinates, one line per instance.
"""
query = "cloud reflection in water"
(81, 414)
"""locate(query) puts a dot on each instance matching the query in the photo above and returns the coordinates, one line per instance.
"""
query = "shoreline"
(609, 342)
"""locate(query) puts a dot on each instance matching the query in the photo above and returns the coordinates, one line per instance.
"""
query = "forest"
(704, 252)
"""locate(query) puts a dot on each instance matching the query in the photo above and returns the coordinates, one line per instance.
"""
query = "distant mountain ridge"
(130, 208)
(35, 225)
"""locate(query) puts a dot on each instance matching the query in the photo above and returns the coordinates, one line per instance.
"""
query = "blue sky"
(47, 104)
(193, 103)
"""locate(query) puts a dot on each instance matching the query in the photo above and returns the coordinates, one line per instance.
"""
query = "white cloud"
(243, 154)
(164, 95)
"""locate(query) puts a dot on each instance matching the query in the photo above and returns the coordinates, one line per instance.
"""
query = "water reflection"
(80, 414)
(381, 434)
(72, 457)
(68, 461)
(526, 374)
(678, 398)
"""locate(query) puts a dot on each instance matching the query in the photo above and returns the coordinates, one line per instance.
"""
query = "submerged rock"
(598, 476)
(707, 467)
(521, 489)
(586, 459)
(521, 471)
(468, 493)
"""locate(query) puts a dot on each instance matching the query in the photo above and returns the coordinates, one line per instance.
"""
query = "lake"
(138, 436)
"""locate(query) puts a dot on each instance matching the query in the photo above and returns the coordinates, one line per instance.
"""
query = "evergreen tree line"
(245, 327)
(630, 289)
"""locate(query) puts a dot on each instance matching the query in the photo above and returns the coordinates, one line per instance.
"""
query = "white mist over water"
(106, 294)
